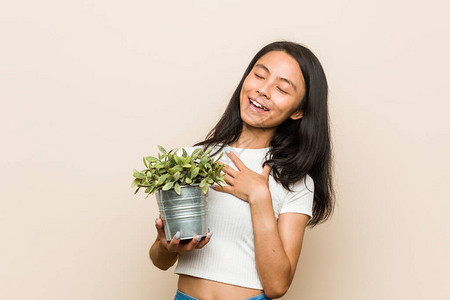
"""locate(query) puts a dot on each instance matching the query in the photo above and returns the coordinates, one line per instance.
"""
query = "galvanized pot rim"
(190, 185)
(181, 186)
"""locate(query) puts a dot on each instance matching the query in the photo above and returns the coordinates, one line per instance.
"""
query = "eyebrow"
(280, 78)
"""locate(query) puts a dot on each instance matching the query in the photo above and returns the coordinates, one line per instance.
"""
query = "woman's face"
(272, 91)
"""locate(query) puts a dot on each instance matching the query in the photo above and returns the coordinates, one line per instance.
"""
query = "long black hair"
(298, 147)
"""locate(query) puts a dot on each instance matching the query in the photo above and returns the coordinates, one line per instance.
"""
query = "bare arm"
(277, 246)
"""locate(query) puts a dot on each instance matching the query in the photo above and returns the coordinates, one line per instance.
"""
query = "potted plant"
(181, 185)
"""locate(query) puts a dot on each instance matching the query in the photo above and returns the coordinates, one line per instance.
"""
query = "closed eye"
(260, 77)
(283, 91)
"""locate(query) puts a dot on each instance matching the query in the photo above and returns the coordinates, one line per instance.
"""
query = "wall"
(89, 87)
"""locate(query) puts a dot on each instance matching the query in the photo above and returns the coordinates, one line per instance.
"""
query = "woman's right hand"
(174, 245)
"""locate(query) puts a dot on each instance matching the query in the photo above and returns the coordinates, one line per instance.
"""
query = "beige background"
(89, 87)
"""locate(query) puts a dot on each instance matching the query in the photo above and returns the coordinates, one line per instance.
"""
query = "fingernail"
(213, 185)
(271, 164)
(198, 238)
(208, 229)
(211, 233)
(177, 235)
(227, 150)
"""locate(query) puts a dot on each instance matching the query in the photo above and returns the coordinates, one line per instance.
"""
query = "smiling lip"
(264, 109)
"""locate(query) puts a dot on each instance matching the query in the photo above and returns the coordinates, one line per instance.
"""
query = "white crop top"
(230, 255)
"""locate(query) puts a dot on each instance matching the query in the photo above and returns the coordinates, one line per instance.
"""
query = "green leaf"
(145, 162)
(220, 156)
(135, 182)
(162, 149)
(184, 153)
(205, 189)
(173, 150)
(167, 186)
(137, 190)
(162, 179)
(196, 153)
(138, 174)
(176, 176)
(160, 165)
(203, 161)
(194, 173)
(178, 160)
(175, 169)
(203, 183)
(188, 166)
(177, 188)
(151, 159)
(188, 180)
(208, 151)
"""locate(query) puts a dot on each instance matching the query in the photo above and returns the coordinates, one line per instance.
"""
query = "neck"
(254, 138)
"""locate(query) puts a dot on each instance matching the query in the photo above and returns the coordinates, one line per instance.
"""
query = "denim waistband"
(182, 296)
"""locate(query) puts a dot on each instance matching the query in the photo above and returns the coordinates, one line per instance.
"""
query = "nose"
(263, 91)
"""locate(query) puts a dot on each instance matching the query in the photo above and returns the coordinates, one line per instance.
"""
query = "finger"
(266, 170)
(229, 170)
(192, 244)
(160, 228)
(205, 241)
(173, 245)
(223, 189)
(237, 162)
(228, 179)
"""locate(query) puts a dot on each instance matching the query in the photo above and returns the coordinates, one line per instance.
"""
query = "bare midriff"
(207, 289)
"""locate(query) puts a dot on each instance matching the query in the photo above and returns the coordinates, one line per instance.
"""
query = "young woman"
(277, 170)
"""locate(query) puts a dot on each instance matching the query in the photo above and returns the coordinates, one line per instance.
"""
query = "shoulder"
(305, 185)
(301, 198)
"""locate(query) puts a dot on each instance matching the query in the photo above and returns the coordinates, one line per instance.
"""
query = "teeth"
(258, 105)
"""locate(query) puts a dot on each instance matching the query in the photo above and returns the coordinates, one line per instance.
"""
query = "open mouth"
(257, 106)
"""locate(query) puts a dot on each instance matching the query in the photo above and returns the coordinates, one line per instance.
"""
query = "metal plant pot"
(186, 213)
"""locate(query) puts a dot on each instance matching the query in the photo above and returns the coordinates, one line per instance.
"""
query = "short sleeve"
(300, 200)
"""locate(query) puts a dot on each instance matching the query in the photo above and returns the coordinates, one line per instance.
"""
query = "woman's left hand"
(244, 183)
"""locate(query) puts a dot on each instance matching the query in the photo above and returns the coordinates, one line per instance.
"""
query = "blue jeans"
(182, 296)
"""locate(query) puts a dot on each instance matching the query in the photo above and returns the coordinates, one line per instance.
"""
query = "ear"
(296, 115)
